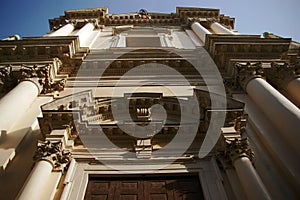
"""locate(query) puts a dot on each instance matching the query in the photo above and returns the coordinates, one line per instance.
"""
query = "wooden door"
(183, 187)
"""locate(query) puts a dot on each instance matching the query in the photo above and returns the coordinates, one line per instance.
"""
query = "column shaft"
(63, 31)
(200, 31)
(219, 29)
(283, 114)
(293, 89)
(251, 182)
(85, 32)
(15, 103)
(38, 179)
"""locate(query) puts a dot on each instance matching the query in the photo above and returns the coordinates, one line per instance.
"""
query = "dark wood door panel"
(185, 187)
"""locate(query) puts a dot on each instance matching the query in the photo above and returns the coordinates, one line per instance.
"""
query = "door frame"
(209, 175)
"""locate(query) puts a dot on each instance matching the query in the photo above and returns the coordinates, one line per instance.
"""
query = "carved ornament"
(52, 152)
(233, 146)
(10, 76)
(248, 71)
(237, 147)
(143, 14)
(282, 72)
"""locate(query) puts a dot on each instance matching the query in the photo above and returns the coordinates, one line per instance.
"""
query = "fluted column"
(220, 29)
(15, 103)
(283, 114)
(63, 31)
(293, 89)
(37, 181)
(85, 32)
(251, 182)
(200, 31)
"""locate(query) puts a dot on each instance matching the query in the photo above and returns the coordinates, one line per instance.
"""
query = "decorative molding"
(49, 87)
(143, 148)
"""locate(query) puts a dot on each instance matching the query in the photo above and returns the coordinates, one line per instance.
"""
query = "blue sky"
(30, 17)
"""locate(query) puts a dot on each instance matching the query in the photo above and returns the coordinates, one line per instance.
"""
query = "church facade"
(149, 106)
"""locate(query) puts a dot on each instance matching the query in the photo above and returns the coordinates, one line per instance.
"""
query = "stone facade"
(142, 98)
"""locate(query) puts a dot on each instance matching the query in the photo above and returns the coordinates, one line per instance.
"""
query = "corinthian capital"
(247, 71)
(52, 152)
(232, 147)
(281, 73)
(238, 147)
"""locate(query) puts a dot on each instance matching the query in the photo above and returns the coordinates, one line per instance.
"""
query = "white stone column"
(37, 181)
(85, 32)
(15, 103)
(200, 31)
(283, 114)
(293, 89)
(219, 29)
(63, 31)
(251, 182)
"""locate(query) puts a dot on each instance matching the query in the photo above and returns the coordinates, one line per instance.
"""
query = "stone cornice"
(245, 45)
(226, 48)
(140, 18)
(67, 49)
(67, 46)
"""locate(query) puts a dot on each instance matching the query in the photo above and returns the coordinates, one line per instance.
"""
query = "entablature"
(100, 17)
(66, 49)
(224, 48)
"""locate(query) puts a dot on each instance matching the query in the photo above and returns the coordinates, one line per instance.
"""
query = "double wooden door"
(183, 187)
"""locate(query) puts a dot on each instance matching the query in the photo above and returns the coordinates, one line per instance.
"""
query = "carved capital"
(237, 147)
(52, 86)
(233, 146)
(11, 75)
(52, 152)
(247, 71)
(281, 73)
